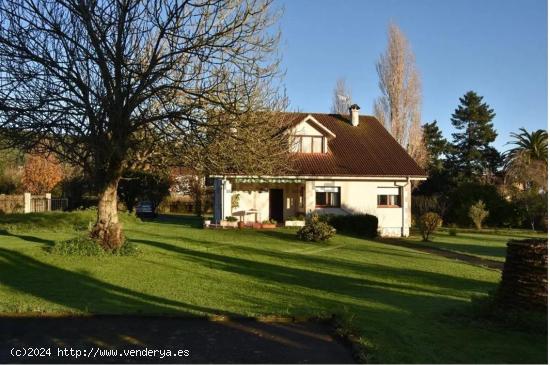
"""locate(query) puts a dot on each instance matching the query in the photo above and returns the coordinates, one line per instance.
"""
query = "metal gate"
(41, 204)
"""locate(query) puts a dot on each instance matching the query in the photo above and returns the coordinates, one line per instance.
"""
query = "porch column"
(48, 202)
(405, 206)
(27, 203)
(227, 189)
(309, 193)
(222, 199)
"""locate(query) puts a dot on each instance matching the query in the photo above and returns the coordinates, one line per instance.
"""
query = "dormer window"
(310, 136)
(308, 144)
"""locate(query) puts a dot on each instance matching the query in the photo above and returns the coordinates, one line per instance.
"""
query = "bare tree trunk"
(107, 228)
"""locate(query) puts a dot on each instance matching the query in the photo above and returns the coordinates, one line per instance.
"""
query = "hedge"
(363, 225)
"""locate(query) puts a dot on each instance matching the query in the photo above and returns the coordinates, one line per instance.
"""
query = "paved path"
(237, 341)
(470, 259)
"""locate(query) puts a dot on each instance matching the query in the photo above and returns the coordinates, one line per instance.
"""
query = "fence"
(27, 203)
(59, 204)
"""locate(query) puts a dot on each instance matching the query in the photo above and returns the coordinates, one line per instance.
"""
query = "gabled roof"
(319, 126)
(365, 150)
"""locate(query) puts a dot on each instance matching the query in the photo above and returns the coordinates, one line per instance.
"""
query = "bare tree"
(110, 84)
(399, 106)
(239, 149)
(341, 99)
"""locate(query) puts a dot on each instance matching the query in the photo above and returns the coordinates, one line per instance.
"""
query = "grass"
(399, 299)
(487, 243)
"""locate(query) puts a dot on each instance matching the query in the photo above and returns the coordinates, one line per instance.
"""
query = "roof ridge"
(321, 113)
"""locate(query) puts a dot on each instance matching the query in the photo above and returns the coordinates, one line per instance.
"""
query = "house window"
(295, 144)
(317, 144)
(327, 197)
(307, 144)
(389, 197)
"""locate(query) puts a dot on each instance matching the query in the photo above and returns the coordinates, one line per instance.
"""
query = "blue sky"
(497, 48)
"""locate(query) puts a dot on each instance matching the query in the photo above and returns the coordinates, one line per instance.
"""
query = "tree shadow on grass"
(234, 341)
(280, 234)
(447, 252)
(29, 238)
(425, 283)
(78, 291)
(182, 220)
(473, 249)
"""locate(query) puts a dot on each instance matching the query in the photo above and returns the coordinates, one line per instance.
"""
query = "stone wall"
(12, 203)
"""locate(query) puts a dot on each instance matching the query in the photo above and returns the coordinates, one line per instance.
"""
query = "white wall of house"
(361, 197)
(355, 197)
(305, 129)
(252, 199)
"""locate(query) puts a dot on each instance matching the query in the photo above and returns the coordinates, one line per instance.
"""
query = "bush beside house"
(316, 230)
(363, 225)
(428, 224)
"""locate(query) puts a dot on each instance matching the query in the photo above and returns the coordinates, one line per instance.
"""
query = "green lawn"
(400, 299)
(488, 243)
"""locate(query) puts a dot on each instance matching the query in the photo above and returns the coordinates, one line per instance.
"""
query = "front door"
(276, 205)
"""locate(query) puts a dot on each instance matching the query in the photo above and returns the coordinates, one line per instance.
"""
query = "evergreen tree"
(472, 155)
(436, 145)
(440, 180)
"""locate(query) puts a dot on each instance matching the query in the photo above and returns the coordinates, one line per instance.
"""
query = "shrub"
(269, 221)
(9, 182)
(81, 245)
(84, 245)
(127, 249)
(364, 225)
(316, 230)
(452, 232)
(503, 213)
(422, 204)
(428, 224)
(231, 218)
(478, 213)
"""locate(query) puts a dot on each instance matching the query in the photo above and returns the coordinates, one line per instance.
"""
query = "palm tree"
(526, 164)
(529, 146)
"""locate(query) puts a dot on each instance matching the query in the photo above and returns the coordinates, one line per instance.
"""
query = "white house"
(340, 165)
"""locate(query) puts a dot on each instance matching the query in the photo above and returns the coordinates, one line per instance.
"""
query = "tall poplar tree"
(398, 108)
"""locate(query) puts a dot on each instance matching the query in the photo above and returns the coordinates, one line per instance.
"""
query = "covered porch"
(261, 199)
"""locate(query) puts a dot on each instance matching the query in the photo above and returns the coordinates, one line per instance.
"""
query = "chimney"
(354, 114)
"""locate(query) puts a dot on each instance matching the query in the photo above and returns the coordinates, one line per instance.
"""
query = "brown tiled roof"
(365, 150)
